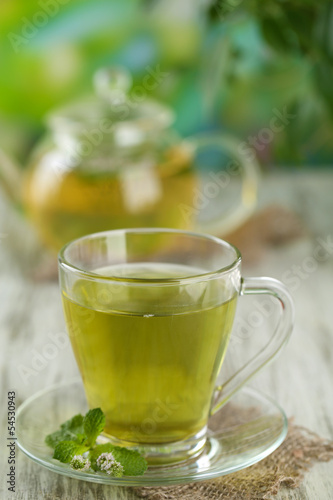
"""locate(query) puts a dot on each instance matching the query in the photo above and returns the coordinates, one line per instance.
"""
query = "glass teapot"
(112, 161)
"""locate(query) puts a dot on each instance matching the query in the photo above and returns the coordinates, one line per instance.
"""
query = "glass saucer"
(244, 431)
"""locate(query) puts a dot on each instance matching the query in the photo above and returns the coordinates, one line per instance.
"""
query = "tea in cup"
(149, 313)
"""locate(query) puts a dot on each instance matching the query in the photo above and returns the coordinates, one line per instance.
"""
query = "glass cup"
(149, 313)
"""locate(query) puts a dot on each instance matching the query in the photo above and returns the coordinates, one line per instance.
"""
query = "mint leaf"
(133, 463)
(65, 450)
(93, 424)
(80, 439)
(68, 431)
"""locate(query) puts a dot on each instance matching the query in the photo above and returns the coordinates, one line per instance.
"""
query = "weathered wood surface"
(301, 380)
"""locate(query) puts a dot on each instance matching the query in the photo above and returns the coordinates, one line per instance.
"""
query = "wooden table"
(301, 380)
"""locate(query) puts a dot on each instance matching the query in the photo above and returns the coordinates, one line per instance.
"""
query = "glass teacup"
(149, 313)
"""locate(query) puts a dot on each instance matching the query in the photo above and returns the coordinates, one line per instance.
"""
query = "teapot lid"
(113, 110)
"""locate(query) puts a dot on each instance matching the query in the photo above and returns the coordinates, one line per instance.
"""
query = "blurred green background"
(231, 64)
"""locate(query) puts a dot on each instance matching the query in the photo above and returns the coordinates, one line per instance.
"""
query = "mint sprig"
(77, 437)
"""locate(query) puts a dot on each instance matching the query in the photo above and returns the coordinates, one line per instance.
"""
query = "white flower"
(108, 464)
(80, 463)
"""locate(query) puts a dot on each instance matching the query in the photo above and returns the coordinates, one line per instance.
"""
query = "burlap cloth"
(284, 467)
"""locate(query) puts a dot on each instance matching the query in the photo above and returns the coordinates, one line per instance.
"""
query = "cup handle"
(260, 286)
(223, 223)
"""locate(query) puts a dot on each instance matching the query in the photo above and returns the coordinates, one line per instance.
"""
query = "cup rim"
(66, 265)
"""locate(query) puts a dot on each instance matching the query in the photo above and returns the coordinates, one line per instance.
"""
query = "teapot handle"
(215, 182)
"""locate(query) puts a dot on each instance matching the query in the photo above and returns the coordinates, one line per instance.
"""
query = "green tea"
(149, 355)
(65, 205)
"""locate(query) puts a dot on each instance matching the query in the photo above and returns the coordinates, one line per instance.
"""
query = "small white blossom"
(108, 464)
(80, 463)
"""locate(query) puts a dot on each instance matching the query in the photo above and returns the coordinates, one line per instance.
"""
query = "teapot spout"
(11, 178)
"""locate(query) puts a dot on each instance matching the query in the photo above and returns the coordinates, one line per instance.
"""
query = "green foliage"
(231, 62)
(300, 27)
(78, 435)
